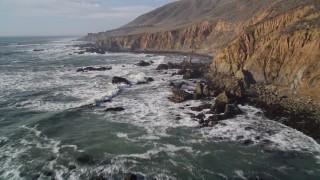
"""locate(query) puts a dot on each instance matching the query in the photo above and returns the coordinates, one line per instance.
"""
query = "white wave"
(260, 130)
(11, 154)
(240, 174)
(3, 139)
(166, 148)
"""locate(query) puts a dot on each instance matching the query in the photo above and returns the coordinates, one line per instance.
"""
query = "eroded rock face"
(283, 51)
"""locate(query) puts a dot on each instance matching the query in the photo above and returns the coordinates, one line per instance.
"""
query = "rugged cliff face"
(276, 41)
(193, 38)
(283, 51)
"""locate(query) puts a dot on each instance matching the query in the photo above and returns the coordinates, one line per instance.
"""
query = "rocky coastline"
(225, 92)
(221, 95)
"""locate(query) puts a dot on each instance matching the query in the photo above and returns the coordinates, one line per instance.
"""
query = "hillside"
(276, 41)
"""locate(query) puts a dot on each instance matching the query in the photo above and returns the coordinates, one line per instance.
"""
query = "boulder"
(163, 67)
(248, 142)
(219, 104)
(179, 95)
(114, 109)
(198, 92)
(200, 116)
(143, 63)
(117, 80)
(149, 79)
(231, 110)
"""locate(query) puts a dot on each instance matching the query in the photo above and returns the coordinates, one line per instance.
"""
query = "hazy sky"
(69, 17)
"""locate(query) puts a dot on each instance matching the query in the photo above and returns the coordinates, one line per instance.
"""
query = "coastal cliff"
(283, 51)
(192, 38)
(276, 42)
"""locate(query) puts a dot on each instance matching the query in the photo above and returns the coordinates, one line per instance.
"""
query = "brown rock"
(179, 95)
(220, 103)
(231, 110)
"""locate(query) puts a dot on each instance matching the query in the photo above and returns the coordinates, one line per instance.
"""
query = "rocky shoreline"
(220, 96)
(278, 104)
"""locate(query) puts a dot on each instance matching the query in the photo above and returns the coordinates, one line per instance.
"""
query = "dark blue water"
(51, 126)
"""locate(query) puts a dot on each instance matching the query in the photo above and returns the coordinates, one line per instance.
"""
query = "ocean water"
(53, 126)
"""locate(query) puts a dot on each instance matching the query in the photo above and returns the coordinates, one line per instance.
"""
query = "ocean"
(53, 123)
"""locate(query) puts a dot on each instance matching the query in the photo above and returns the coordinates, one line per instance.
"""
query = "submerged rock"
(115, 109)
(85, 159)
(163, 67)
(130, 176)
(72, 167)
(147, 81)
(38, 50)
(86, 69)
(143, 63)
(100, 177)
(248, 142)
(117, 80)
(81, 52)
(48, 173)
